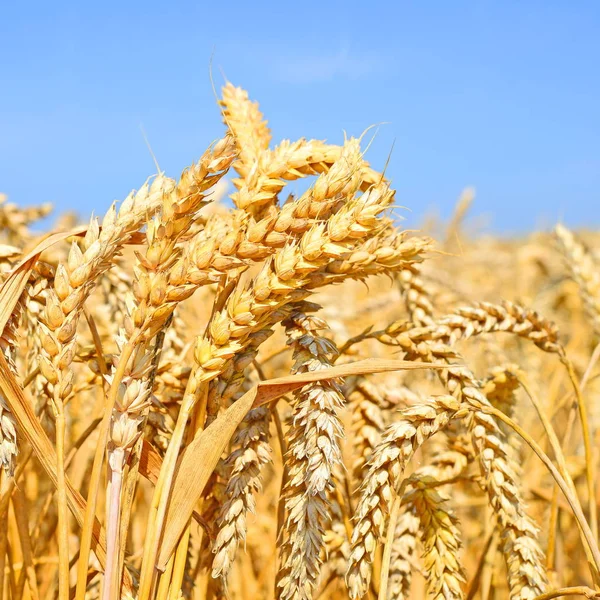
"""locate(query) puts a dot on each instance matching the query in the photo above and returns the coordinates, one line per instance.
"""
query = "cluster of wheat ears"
(294, 398)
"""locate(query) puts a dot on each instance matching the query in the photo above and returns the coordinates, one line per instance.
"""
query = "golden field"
(295, 397)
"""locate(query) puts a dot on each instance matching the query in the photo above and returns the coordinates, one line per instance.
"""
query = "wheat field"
(293, 397)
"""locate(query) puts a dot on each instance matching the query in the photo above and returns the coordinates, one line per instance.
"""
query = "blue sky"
(504, 96)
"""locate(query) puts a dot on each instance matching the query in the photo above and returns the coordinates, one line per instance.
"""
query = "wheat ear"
(313, 454)
(440, 537)
(384, 479)
(584, 271)
(244, 464)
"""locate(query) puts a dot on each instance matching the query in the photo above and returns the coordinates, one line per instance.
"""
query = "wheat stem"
(96, 474)
(63, 511)
(161, 498)
(590, 459)
(387, 550)
(180, 559)
(111, 574)
(164, 581)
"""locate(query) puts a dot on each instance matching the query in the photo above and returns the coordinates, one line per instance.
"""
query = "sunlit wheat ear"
(524, 558)
(257, 236)
(500, 388)
(237, 330)
(313, 454)
(424, 515)
(417, 296)
(584, 271)
(160, 277)
(440, 538)
(368, 423)
(384, 477)
(381, 255)
(481, 318)
(76, 277)
(251, 452)
(248, 126)
(508, 317)
(264, 173)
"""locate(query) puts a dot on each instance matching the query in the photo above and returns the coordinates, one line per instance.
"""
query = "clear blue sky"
(503, 95)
